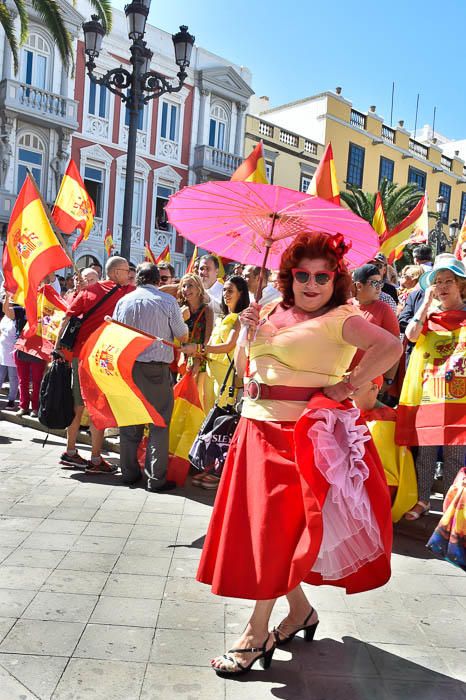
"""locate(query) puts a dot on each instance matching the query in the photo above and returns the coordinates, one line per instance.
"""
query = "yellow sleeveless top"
(309, 354)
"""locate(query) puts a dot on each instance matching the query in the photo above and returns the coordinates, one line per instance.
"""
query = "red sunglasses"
(321, 277)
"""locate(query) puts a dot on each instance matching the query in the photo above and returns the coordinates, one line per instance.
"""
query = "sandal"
(198, 478)
(414, 514)
(237, 669)
(210, 482)
(309, 631)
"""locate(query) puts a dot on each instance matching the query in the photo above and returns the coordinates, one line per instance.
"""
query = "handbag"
(72, 328)
(209, 450)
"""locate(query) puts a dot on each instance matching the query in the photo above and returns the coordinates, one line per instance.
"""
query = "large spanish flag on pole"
(51, 309)
(105, 373)
(148, 254)
(379, 223)
(73, 207)
(31, 252)
(324, 184)
(253, 168)
(401, 233)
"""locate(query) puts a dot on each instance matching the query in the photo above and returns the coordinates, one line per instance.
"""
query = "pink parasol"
(252, 223)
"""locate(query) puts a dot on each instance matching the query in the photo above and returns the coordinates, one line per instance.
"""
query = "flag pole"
(52, 223)
(109, 319)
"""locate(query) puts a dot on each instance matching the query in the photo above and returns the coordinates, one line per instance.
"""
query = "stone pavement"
(98, 601)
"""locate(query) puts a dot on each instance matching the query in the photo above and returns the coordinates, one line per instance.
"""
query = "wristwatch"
(388, 382)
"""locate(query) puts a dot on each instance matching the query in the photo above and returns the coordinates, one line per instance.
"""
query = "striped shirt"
(152, 311)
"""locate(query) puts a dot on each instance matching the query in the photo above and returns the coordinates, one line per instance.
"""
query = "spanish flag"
(253, 168)
(194, 257)
(148, 254)
(187, 418)
(51, 309)
(73, 207)
(416, 219)
(108, 243)
(105, 373)
(379, 223)
(324, 184)
(460, 240)
(31, 252)
(164, 255)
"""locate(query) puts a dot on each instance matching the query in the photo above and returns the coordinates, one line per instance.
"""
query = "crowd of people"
(302, 495)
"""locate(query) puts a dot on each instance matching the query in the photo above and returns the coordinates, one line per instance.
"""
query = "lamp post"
(437, 238)
(136, 87)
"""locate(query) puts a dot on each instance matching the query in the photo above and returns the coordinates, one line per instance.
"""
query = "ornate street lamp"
(135, 87)
(437, 238)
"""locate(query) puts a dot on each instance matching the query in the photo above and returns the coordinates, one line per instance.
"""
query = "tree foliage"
(397, 201)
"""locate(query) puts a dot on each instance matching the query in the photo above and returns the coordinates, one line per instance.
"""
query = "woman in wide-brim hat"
(432, 409)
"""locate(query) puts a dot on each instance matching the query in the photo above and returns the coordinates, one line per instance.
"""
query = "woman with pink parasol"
(303, 495)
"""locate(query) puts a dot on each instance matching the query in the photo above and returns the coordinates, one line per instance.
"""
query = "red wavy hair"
(314, 245)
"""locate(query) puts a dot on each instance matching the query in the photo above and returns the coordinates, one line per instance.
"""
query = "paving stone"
(184, 568)
(152, 566)
(187, 589)
(186, 647)
(6, 623)
(46, 540)
(163, 519)
(182, 683)
(191, 616)
(64, 607)
(63, 527)
(115, 643)
(132, 612)
(155, 532)
(23, 577)
(5, 553)
(157, 505)
(42, 637)
(12, 689)
(38, 673)
(25, 510)
(148, 548)
(13, 601)
(12, 539)
(134, 586)
(46, 558)
(88, 561)
(74, 513)
(99, 529)
(108, 515)
(90, 679)
(19, 524)
(429, 690)
(408, 662)
(99, 545)
(396, 628)
(66, 581)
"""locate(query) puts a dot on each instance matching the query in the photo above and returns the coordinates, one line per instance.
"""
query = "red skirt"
(266, 528)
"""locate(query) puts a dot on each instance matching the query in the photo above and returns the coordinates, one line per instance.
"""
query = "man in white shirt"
(269, 292)
(208, 271)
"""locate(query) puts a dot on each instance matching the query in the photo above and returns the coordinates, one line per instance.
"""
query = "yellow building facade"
(366, 149)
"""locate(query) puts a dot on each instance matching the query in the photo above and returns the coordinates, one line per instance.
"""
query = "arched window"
(30, 155)
(36, 59)
(218, 127)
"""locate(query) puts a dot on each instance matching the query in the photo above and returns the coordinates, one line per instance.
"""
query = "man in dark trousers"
(150, 310)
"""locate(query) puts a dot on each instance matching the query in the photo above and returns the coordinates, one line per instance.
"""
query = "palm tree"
(52, 15)
(397, 201)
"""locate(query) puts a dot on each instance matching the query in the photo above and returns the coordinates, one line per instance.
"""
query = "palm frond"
(51, 14)
(397, 201)
(23, 19)
(6, 21)
(104, 10)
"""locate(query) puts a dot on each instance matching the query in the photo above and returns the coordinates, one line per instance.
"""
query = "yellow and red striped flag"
(105, 373)
(187, 418)
(324, 184)
(400, 235)
(418, 232)
(51, 309)
(108, 243)
(460, 240)
(194, 257)
(148, 254)
(379, 223)
(253, 168)
(73, 207)
(164, 255)
(31, 252)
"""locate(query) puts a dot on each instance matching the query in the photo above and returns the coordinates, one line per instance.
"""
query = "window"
(386, 169)
(98, 100)
(418, 177)
(35, 57)
(445, 191)
(138, 192)
(140, 117)
(94, 184)
(218, 127)
(305, 182)
(355, 165)
(170, 121)
(463, 208)
(161, 200)
(30, 156)
(269, 172)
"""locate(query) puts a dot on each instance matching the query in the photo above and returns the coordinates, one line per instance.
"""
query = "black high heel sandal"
(309, 631)
(265, 659)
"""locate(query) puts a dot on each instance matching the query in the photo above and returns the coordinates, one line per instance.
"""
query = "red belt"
(256, 391)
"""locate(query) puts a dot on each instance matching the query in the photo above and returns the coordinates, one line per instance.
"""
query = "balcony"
(213, 160)
(358, 119)
(266, 129)
(310, 147)
(418, 148)
(388, 134)
(289, 138)
(40, 106)
(159, 239)
(446, 163)
(136, 235)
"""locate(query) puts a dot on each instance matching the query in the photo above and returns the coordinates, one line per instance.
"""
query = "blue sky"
(299, 48)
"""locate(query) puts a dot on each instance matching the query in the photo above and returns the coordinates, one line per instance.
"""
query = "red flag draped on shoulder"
(73, 207)
(379, 223)
(253, 168)
(164, 255)
(148, 254)
(105, 373)
(400, 235)
(324, 184)
(31, 252)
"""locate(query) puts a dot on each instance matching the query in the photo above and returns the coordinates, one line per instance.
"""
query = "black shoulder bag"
(72, 328)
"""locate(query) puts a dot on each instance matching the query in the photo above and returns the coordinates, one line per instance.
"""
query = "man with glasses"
(368, 284)
(167, 273)
(113, 288)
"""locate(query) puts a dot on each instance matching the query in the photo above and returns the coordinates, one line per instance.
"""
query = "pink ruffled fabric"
(351, 533)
